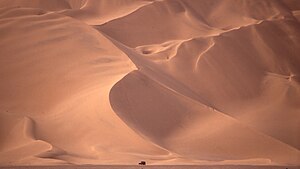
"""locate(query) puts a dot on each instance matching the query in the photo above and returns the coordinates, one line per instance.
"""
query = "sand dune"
(169, 82)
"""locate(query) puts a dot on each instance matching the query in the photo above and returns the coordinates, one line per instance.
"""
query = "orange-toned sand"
(166, 81)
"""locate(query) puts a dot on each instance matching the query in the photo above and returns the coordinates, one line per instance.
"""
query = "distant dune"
(171, 82)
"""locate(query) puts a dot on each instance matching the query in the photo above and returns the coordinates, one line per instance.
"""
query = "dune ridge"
(169, 82)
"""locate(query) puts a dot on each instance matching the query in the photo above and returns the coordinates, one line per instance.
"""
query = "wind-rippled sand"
(165, 81)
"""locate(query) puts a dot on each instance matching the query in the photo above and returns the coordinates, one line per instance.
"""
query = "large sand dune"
(169, 82)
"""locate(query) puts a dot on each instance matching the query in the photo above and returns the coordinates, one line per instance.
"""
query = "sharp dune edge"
(169, 82)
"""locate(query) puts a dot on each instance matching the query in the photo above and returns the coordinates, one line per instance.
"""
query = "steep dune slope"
(238, 72)
(209, 134)
(62, 83)
(139, 101)
(172, 20)
(169, 82)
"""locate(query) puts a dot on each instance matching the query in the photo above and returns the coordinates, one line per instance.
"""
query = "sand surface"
(154, 167)
(166, 81)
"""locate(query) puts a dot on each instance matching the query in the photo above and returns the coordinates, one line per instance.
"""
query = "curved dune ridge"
(166, 81)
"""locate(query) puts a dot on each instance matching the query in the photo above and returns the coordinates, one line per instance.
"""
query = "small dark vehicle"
(142, 163)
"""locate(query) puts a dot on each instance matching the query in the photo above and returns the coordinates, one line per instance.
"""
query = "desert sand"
(152, 167)
(171, 82)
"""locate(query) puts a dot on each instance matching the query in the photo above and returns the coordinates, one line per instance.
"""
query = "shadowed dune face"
(181, 121)
(168, 82)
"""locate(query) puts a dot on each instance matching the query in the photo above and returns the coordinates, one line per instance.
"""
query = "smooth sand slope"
(169, 82)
